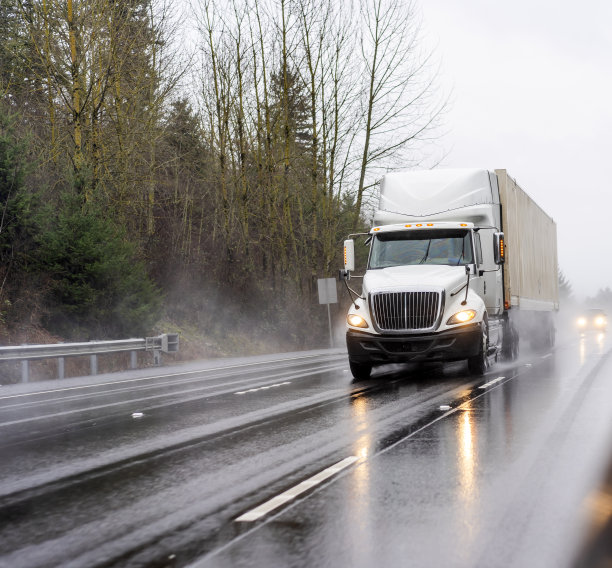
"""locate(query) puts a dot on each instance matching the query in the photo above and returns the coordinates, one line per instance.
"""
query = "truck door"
(492, 277)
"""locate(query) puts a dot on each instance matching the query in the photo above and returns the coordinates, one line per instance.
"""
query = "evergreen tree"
(603, 299)
(16, 224)
(565, 288)
(97, 287)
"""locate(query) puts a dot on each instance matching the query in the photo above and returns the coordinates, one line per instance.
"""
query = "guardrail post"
(157, 357)
(133, 359)
(25, 371)
(93, 359)
(60, 367)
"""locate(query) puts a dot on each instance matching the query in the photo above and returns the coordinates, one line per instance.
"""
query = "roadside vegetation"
(196, 171)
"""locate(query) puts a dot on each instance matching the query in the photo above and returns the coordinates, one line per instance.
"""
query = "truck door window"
(478, 248)
(443, 246)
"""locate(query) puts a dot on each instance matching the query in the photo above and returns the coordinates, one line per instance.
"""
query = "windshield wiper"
(426, 253)
(462, 253)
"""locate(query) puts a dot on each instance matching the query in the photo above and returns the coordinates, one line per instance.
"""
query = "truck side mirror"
(349, 255)
(499, 248)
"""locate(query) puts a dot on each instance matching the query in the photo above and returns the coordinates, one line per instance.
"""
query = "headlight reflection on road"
(601, 337)
(467, 465)
(467, 454)
(361, 447)
(359, 529)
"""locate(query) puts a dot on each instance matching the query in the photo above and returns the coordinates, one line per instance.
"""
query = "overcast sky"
(531, 85)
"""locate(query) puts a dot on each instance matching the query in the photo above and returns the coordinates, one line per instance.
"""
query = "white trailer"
(458, 261)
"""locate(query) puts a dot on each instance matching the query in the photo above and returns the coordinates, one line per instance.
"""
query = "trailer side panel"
(531, 270)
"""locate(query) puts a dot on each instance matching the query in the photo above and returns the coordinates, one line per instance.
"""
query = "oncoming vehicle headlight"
(356, 321)
(462, 317)
(581, 322)
(600, 321)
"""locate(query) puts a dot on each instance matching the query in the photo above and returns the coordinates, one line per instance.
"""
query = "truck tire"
(544, 334)
(549, 338)
(360, 371)
(479, 364)
(510, 344)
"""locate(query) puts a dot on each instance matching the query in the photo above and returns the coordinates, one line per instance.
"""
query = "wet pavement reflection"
(496, 481)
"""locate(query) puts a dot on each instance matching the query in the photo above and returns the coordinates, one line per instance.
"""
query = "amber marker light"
(356, 321)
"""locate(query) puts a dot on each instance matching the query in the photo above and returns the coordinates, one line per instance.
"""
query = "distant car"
(592, 320)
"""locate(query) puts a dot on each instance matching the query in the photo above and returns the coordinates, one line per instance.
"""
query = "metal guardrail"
(165, 343)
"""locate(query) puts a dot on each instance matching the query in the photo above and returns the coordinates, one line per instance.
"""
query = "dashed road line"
(289, 495)
(264, 388)
(491, 383)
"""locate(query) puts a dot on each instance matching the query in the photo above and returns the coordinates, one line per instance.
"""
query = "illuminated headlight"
(462, 317)
(581, 322)
(600, 321)
(356, 321)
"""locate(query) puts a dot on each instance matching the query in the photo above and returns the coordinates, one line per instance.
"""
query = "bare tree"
(400, 104)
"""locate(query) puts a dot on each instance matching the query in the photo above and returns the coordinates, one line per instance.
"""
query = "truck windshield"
(436, 246)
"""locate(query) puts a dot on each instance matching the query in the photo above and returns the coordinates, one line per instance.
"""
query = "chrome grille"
(405, 311)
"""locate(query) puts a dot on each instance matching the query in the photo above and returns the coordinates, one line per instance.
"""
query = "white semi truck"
(461, 263)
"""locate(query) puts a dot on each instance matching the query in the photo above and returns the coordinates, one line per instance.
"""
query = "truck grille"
(405, 311)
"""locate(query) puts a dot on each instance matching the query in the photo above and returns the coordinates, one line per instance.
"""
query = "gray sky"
(531, 84)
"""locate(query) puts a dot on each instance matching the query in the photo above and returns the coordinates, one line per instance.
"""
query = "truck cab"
(437, 286)
(424, 298)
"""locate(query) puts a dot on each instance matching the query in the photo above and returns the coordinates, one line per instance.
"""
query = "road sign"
(328, 295)
(327, 291)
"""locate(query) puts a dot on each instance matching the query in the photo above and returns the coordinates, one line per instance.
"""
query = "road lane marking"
(491, 383)
(264, 388)
(278, 501)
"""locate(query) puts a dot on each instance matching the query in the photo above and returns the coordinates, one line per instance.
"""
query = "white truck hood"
(418, 277)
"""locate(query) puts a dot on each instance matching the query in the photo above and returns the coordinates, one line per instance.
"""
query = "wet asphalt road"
(284, 461)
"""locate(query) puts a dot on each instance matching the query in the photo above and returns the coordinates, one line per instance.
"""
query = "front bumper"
(450, 345)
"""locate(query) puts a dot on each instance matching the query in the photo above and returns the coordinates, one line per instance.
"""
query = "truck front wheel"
(479, 364)
(361, 371)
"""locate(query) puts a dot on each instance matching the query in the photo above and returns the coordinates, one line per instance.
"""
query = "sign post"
(328, 295)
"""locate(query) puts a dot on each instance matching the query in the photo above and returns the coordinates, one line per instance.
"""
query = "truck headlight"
(356, 321)
(462, 317)
(581, 322)
(600, 321)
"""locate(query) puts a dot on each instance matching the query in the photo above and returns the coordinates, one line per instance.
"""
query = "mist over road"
(284, 460)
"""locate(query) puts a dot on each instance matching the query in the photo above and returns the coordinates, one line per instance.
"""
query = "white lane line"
(547, 356)
(290, 494)
(264, 388)
(491, 383)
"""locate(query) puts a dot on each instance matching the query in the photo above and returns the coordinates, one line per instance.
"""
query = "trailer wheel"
(479, 364)
(361, 371)
(510, 342)
(549, 338)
